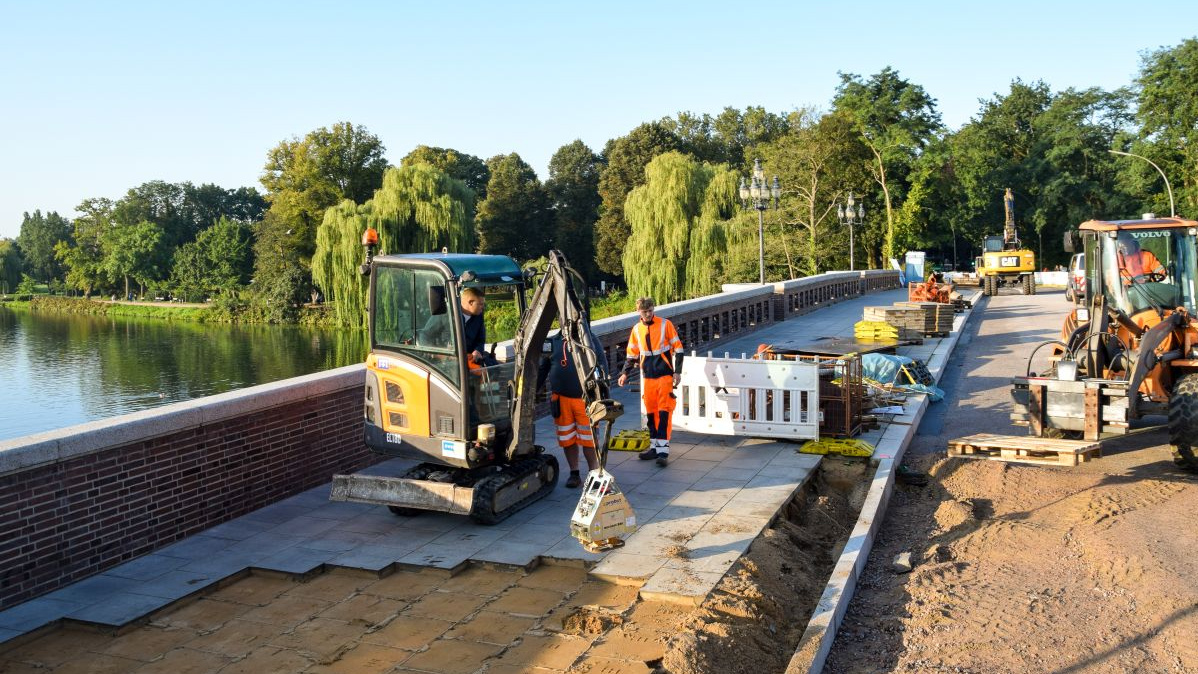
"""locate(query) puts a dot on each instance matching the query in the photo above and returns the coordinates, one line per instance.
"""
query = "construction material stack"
(907, 321)
(937, 317)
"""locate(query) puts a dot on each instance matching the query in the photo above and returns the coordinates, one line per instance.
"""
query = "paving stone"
(35, 613)
(119, 609)
(269, 660)
(492, 627)
(200, 546)
(440, 556)
(202, 615)
(364, 659)
(238, 529)
(482, 582)
(147, 567)
(510, 553)
(531, 602)
(331, 587)
(254, 590)
(320, 637)
(297, 560)
(680, 585)
(452, 657)
(237, 638)
(554, 577)
(620, 565)
(149, 643)
(287, 611)
(304, 526)
(185, 661)
(367, 609)
(448, 606)
(56, 647)
(405, 585)
(176, 584)
(409, 632)
(554, 651)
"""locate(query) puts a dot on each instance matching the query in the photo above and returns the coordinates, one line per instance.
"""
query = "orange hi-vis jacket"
(1136, 265)
(652, 345)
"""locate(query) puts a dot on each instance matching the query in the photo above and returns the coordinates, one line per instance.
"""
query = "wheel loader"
(1129, 347)
(1004, 262)
(470, 425)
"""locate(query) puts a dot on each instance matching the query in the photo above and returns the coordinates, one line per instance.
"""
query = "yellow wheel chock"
(846, 447)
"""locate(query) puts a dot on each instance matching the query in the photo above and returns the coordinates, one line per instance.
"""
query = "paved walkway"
(715, 497)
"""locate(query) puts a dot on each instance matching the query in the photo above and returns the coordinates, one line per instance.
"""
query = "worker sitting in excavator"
(1137, 265)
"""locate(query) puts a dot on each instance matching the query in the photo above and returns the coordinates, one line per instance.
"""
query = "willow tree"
(418, 209)
(678, 237)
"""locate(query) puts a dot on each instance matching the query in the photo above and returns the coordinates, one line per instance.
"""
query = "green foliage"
(725, 137)
(39, 234)
(131, 252)
(280, 282)
(418, 209)
(303, 177)
(896, 120)
(10, 265)
(627, 157)
(220, 259)
(27, 286)
(83, 258)
(464, 167)
(514, 218)
(573, 190)
(678, 240)
(1167, 109)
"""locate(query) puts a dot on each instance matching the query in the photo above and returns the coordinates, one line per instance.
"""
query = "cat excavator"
(471, 425)
(1004, 261)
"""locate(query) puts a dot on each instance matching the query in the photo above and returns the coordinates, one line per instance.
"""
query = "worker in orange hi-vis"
(654, 347)
(1137, 265)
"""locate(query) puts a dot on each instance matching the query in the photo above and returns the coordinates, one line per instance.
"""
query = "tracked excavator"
(1004, 262)
(1129, 348)
(471, 425)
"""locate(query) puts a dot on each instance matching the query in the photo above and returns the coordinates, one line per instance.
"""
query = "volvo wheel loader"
(1129, 348)
(1004, 262)
(469, 425)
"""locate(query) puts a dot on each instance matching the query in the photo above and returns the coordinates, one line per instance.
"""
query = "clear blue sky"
(101, 97)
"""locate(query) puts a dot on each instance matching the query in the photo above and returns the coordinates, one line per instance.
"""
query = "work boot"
(574, 480)
(648, 454)
(662, 459)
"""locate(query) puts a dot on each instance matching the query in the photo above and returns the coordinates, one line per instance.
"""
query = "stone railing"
(79, 500)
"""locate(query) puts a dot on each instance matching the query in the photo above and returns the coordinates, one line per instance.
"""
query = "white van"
(1077, 278)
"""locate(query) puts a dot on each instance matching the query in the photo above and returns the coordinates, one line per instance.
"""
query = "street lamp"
(850, 218)
(761, 195)
(1172, 211)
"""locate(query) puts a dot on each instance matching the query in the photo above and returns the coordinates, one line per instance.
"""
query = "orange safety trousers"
(658, 394)
(573, 424)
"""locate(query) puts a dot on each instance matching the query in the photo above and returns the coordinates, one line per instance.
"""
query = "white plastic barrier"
(747, 397)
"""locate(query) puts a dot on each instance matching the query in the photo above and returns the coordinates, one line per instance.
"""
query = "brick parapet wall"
(78, 501)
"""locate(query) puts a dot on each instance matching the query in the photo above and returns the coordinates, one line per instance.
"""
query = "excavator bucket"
(603, 515)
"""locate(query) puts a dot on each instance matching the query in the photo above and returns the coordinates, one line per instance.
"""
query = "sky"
(97, 98)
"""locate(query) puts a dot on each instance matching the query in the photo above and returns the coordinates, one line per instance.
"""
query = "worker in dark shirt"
(568, 407)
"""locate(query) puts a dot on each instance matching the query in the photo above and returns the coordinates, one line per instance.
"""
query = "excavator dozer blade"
(403, 493)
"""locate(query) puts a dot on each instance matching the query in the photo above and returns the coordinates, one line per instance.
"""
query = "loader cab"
(424, 400)
(1142, 266)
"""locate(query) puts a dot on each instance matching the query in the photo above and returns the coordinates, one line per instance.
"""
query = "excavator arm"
(555, 297)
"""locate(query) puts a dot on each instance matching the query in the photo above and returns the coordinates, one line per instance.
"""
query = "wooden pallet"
(1025, 449)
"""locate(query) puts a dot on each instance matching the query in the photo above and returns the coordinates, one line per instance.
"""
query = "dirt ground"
(487, 620)
(1023, 568)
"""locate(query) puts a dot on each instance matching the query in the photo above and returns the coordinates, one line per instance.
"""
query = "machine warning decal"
(453, 449)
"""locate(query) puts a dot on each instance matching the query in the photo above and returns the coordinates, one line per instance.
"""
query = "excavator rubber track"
(519, 484)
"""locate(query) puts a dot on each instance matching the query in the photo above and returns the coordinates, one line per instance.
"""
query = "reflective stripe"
(665, 344)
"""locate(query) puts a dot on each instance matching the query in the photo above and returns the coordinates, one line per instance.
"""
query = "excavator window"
(411, 316)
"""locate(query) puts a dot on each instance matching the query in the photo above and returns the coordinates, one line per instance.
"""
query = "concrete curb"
(816, 643)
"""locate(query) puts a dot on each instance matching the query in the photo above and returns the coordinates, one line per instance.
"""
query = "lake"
(59, 370)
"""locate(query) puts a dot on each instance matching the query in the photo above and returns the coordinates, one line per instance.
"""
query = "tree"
(464, 167)
(818, 161)
(130, 252)
(514, 218)
(724, 138)
(623, 170)
(418, 209)
(10, 265)
(39, 234)
(896, 120)
(1167, 109)
(280, 280)
(220, 259)
(303, 177)
(678, 242)
(83, 257)
(573, 189)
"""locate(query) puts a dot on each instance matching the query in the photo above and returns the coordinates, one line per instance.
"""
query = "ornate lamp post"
(760, 195)
(850, 218)
(1172, 210)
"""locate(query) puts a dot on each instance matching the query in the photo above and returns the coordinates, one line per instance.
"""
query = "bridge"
(109, 522)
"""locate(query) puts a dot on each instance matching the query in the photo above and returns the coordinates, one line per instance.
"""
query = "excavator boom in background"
(1004, 263)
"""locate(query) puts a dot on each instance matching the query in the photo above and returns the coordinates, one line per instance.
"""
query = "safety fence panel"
(747, 397)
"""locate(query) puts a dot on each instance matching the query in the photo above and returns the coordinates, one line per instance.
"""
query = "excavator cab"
(1145, 270)
(424, 398)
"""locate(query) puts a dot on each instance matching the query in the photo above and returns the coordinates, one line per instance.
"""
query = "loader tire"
(1183, 421)
(986, 286)
(1029, 285)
